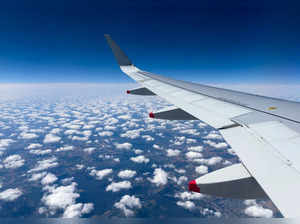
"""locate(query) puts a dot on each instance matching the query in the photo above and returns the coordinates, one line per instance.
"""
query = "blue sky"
(203, 41)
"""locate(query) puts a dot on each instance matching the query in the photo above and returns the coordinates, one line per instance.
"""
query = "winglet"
(120, 56)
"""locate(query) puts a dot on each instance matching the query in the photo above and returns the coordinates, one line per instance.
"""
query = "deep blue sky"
(204, 41)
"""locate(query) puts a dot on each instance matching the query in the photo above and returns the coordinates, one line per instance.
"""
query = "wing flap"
(284, 140)
(272, 173)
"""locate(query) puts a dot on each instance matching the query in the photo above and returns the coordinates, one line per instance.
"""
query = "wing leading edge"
(263, 131)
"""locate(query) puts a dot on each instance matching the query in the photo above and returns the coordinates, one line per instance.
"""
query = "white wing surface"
(263, 131)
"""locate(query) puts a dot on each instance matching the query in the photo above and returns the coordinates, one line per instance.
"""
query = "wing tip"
(120, 56)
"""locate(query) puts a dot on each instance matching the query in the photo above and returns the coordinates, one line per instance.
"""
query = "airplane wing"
(263, 131)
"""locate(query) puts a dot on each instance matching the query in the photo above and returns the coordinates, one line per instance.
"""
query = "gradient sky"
(203, 41)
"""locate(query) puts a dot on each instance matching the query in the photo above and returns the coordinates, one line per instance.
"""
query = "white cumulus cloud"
(10, 194)
(65, 148)
(89, 150)
(117, 186)
(13, 161)
(37, 176)
(196, 148)
(61, 197)
(49, 179)
(45, 164)
(193, 155)
(125, 145)
(64, 198)
(220, 145)
(5, 143)
(77, 210)
(171, 152)
(256, 210)
(189, 196)
(105, 133)
(156, 146)
(148, 138)
(140, 159)
(189, 205)
(214, 135)
(100, 174)
(51, 138)
(34, 146)
(126, 174)
(40, 151)
(201, 169)
(213, 160)
(160, 177)
(132, 134)
(25, 135)
(127, 204)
